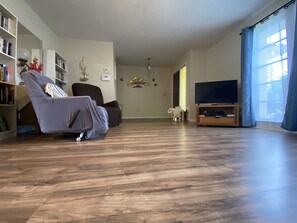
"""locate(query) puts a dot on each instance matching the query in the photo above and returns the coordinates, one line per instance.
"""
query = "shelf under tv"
(217, 115)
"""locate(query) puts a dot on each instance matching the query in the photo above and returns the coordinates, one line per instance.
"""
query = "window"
(270, 69)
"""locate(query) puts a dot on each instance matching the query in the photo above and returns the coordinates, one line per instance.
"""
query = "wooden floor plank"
(151, 172)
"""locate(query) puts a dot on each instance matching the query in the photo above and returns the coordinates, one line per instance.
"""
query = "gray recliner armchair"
(66, 114)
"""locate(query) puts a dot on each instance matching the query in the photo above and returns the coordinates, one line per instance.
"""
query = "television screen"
(216, 92)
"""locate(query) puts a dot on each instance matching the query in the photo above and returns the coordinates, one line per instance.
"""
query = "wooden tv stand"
(217, 114)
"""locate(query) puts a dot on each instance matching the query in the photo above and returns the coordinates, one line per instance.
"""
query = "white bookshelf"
(8, 34)
(55, 67)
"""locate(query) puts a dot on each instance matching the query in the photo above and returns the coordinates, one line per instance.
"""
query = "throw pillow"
(54, 91)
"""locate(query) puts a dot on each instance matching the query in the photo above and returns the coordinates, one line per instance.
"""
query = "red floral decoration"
(35, 65)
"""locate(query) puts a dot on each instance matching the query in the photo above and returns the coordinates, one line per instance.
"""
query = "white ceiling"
(161, 29)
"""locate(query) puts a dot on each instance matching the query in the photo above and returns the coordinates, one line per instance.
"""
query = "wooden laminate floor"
(163, 172)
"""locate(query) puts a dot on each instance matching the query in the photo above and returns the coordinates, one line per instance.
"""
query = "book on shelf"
(1, 95)
(59, 76)
(5, 73)
(1, 43)
(4, 22)
(6, 94)
(60, 63)
(9, 48)
(1, 73)
(6, 46)
(10, 25)
(11, 95)
(7, 23)
(3, 124)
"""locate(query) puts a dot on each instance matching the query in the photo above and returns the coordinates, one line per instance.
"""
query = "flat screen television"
(216, 92)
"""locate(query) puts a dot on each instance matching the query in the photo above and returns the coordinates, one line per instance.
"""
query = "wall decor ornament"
(137, 82)
(83, 69)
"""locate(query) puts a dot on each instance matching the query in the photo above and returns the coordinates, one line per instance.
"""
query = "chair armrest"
(114, 104)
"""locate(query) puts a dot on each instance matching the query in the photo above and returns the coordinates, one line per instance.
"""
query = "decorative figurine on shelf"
(35, 66)
(83, 69)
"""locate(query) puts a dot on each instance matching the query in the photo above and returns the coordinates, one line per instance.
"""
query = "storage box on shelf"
(8, 40)
(218, 115)
(55, 67)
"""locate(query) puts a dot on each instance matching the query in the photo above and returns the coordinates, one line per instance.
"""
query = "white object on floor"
(177, 112)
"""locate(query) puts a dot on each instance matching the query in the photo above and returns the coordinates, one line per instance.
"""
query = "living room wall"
(223, 59)
(97, 56)
(149, 101)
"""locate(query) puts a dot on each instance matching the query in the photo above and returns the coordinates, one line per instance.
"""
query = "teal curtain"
(248, 116)
(290, 118)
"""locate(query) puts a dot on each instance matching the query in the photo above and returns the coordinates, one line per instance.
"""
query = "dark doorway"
(176, 89)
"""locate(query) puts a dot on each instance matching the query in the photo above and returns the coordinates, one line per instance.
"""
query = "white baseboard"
(154, 117)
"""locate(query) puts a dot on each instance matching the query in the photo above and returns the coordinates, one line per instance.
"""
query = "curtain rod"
(285, 6)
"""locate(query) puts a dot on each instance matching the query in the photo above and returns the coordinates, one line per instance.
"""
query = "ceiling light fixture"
(148, 64)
